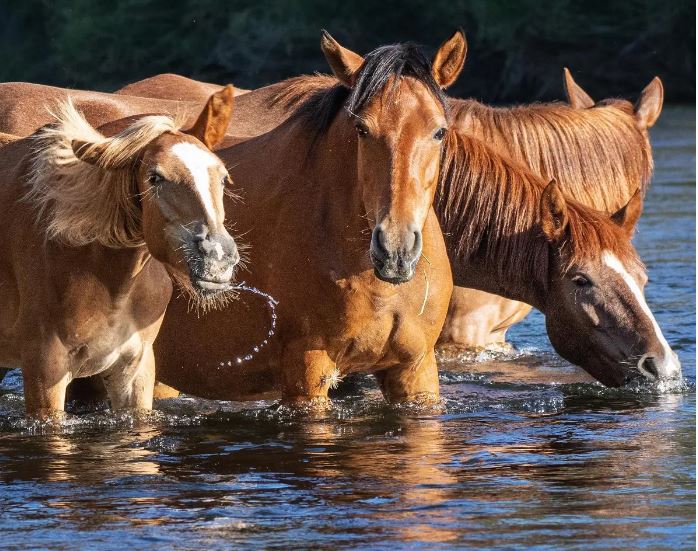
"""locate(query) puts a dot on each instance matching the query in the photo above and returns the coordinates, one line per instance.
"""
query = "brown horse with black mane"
(84, 215)
(343, 235)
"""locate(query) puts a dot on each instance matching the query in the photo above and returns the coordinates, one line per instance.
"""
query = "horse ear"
(626, 217)
(449, 59)
(212, 124)
(649, 104)
(553, 212)
(344, 63)
(576, 96)
(89, 152)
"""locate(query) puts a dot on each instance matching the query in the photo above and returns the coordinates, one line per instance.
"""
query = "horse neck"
(319, 177)
(488, 210)
(598, 155)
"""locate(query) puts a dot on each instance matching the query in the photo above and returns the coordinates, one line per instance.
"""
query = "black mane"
(395, 60)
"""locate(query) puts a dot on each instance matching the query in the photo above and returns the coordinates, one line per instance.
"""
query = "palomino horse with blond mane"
(85, 215)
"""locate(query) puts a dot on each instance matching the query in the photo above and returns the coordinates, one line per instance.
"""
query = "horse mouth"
(390, 274)
(207, 286)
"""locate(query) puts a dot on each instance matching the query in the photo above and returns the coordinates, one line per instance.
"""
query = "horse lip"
(210, 285)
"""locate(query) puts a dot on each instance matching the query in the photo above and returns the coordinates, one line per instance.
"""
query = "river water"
(527, 453)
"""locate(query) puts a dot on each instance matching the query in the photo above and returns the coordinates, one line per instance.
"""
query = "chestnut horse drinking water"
(512, 235)
(600, 153)
(83, 217)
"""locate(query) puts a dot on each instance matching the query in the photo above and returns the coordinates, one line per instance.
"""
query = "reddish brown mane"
(489, 204)
(599, 155)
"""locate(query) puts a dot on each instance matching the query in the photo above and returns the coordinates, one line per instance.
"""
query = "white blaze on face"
(670, 366)
(198, 161)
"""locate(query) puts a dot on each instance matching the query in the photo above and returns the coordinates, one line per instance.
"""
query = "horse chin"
(204, 295)
(610, 374)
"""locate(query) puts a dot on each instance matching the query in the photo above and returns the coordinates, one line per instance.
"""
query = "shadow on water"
(525, 451)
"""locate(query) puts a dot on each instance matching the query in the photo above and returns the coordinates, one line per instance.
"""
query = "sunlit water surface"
(526, 453)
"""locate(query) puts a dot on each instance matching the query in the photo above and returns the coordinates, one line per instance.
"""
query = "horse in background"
(600, 154)
(86, 218)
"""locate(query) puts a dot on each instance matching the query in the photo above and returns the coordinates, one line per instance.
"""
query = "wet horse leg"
(413, 382)
(46, 377)
(131, 387)
(307, 375)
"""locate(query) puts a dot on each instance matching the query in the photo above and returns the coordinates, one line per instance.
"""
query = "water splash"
(271, 303)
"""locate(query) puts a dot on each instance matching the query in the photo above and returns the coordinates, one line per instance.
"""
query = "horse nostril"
(378, 244)
(648, 365)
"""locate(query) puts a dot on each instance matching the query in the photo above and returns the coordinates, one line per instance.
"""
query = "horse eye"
(155, 179)
(581, 281)
(361, 129)
(440, 133)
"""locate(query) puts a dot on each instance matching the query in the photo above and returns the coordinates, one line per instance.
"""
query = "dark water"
(525, 453)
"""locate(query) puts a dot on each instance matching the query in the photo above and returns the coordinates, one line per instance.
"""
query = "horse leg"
(416, 382)
(46, 377)
(307, 375)
(131, 386)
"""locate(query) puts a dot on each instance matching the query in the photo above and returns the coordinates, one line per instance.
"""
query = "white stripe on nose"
(198, 161)
(670, 367)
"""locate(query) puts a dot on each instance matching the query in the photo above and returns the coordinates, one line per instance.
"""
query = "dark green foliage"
(516, 48)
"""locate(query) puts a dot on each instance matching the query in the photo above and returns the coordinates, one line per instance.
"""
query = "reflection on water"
(526, 452)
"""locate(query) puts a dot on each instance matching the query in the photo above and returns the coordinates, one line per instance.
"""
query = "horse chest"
(379, 329)
(100, 330)
(105, 351)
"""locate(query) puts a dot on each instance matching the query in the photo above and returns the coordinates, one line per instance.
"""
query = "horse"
(96, 229)
(574, 264)
(342, 234)
(170, 86)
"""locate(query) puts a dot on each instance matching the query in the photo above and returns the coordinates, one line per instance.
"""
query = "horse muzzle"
(395, 260)
(212, 262)
(664, 366)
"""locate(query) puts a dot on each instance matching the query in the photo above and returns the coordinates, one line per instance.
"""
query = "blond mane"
(79, 203)
(599, 155)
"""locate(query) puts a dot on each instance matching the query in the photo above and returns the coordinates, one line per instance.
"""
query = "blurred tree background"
(517, 48)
